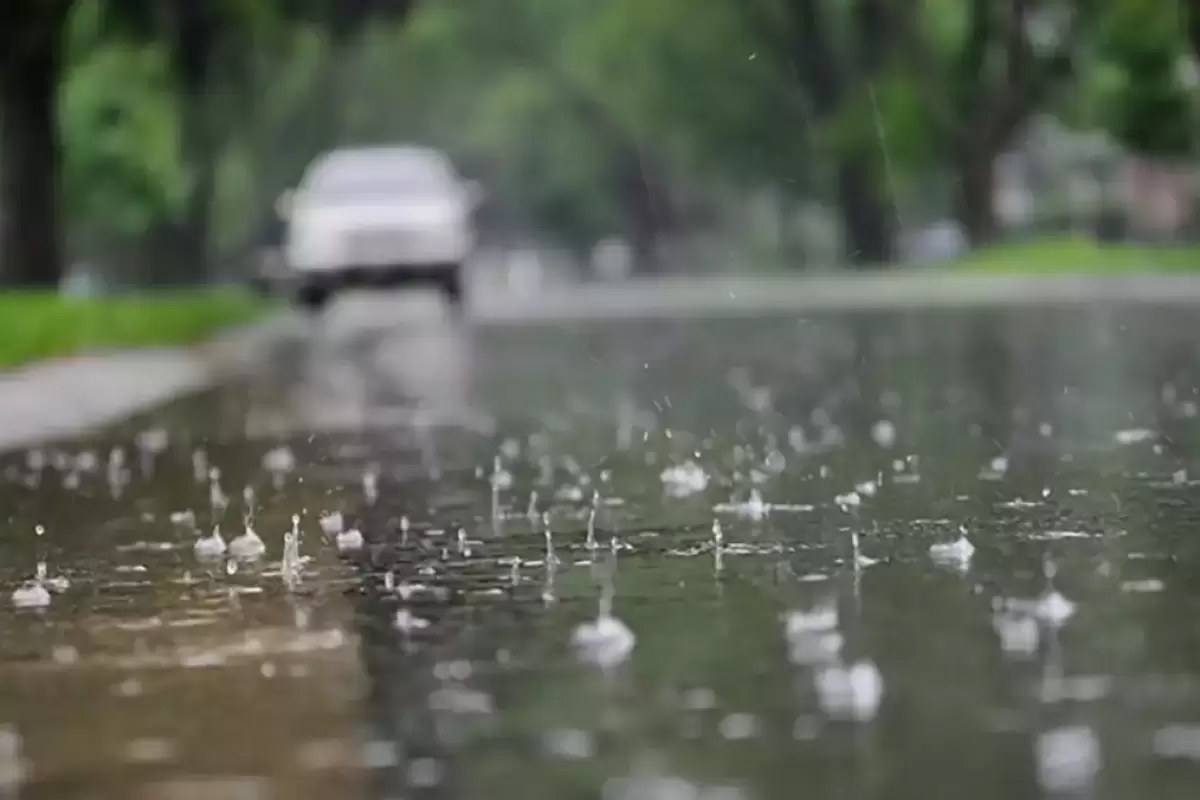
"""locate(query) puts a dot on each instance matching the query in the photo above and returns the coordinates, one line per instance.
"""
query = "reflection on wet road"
(874, 554)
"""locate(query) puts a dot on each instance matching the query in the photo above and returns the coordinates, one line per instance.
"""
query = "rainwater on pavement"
(869, 554)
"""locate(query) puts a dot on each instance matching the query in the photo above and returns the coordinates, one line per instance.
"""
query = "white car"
(379, 216)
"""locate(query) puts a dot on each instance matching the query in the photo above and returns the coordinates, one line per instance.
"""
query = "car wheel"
(451, 285)
(313, 297)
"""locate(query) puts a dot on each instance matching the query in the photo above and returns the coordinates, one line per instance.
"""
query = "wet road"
(853, 554)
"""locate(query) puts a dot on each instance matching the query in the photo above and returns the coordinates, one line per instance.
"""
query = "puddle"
(872, 556)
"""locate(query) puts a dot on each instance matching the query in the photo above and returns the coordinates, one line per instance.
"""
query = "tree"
(545, 41)
(985, 67)
(1191, 17)
(201, 35)
(121, 169)
(756, 87)
(835, 73)
(32, 34)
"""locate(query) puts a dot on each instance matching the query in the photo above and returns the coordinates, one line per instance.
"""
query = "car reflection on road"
(359, 368)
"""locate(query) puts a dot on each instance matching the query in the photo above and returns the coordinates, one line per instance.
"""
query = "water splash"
(464, 547)
(249, 546)
(718, 546)
(684, 480)
(291, 566)
(548, 533)
(210, 547)
(605, 642)
(332, 523)
(349, 540)
(955, 555)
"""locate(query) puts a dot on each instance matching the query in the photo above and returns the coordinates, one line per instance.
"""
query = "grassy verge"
(36, 325)
(1070, 255)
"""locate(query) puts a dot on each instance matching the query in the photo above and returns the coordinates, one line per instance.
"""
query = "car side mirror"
(475, 194)
(284, 204)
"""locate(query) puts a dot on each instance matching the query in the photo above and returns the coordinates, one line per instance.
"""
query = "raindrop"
(1068, 759)
(851, 693)
(956, 554)
(1019, 633)
(279, 461)
(884, 433)
(738, 727)
(501, 478)
(199, 465)
(407, 622)
(1054, 609)
(848, 500)
(331, 523)
(684, 479)
(370, 483)
(349, 540)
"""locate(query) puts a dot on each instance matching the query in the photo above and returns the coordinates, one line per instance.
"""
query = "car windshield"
(353, 176)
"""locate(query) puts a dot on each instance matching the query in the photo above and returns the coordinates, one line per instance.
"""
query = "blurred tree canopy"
(178, 122)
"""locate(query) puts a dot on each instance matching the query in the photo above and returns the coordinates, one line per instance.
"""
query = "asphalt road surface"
(850, 547)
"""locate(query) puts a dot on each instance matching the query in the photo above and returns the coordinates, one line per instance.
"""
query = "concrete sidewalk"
(67, 397)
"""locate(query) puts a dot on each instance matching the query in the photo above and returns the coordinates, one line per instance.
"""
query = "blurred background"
(146, 142)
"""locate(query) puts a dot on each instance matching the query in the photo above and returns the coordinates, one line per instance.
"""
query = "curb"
(65, 398)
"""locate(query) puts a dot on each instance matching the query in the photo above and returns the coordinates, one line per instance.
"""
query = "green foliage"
(1143, 100)
(543, 98)
(697, 76)
(48, 325)
(120, 133)
(1079, 255)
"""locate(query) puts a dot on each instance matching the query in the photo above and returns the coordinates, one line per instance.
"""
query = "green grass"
(37, 325)
(1079, 255)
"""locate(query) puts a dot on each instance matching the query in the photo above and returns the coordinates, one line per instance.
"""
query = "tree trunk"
(866, 218)
(866, 221)
(1192, 20)
(642, 200)
(194, 37)
(31, 248)
(976, 191)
